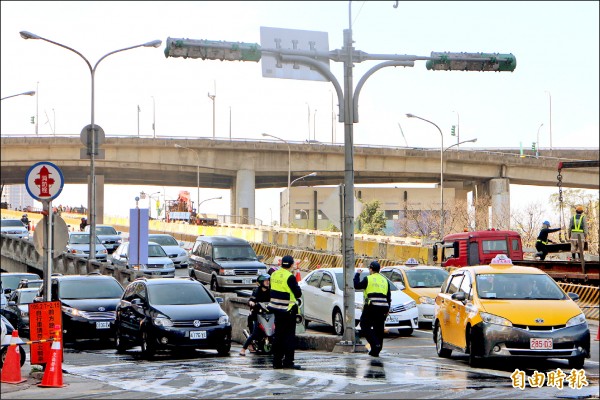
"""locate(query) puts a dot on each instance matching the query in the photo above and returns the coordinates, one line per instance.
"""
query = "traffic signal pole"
(348, 111)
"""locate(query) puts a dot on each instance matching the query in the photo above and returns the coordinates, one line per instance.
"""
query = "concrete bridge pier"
(245, 185)
(497, 190)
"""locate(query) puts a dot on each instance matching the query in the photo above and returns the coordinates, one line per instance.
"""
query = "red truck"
(479, 247)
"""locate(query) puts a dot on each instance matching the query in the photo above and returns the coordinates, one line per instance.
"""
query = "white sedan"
(322, 291)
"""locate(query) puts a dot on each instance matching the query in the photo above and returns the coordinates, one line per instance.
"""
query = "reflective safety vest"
(577, 224)
(282, 298)
(376, 291)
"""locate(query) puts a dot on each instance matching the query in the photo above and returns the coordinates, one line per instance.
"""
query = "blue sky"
(555, 44)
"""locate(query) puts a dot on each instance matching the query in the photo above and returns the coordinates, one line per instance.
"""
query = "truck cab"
(478, 247)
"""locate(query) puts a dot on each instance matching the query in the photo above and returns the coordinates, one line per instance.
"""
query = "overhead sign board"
(44, 181)
(292, 39)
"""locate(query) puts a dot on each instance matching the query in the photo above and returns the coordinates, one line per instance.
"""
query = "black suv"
(88, 304)
(225, 262)
(167, 313)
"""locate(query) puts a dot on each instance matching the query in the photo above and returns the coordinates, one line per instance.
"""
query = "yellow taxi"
(421, 282)
(504, 310)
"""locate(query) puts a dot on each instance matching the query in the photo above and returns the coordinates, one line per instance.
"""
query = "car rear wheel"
(439, 343)
(148, 347)
(576, 362)
(338, 322)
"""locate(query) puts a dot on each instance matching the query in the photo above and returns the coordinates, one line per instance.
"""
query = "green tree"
(371, 220)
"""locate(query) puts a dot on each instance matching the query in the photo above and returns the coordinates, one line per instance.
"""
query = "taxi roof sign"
(501, 259)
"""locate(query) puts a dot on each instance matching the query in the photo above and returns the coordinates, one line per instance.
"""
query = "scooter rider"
(260, 294)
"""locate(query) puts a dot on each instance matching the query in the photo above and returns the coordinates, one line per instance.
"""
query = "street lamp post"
(203, 201)
(308, 106)
(537, 143)
(550, 100)
(150, 204)
(315, 125)
(289, 174)
(30, 93)
(441, 173)
(213, 98)
(197, 174)
(464, 141)
(92, 191)
(153, 117)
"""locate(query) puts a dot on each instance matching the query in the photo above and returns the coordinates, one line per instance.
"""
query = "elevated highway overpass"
(245, 165)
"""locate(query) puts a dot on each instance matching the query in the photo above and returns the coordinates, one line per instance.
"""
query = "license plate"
(247, 281)
(103, 325)
(156, 273)
(391, 318)
(198, 335)
(540, 344)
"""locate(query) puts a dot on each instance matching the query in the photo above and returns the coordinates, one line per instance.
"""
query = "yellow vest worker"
(378, 298)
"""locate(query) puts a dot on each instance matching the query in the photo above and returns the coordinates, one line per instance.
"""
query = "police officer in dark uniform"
(377, 297)
(284, 295)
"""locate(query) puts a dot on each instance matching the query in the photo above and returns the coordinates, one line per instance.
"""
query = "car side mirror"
(573, 296)
(136, 302)
(181, 244)
(119, 233)
(328, 289)
(435, 251)
(219, 300)
(459, 296)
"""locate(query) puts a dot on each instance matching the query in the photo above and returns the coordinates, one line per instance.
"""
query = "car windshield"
(79, 238)
(154, 250)
(339, 277)
(163, 240)
(12, 281)
(90, 289)
(12, 222)
(426, 278)
(234, 253)
(27, 296)
(105, 230)
(178, 295)
(518, 286)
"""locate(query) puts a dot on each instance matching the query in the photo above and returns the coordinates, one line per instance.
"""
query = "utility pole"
(348, 104)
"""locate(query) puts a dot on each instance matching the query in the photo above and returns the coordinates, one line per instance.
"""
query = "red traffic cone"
(11, 370)
(598, 334)
(53, 373)
(298, 277)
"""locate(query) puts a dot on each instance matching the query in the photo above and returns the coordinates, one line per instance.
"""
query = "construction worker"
(577, 229)
(284, 294)
(541, 245)
(377, 300)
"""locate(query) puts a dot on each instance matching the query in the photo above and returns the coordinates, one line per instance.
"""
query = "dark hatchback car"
(88, 304)
(167, 313)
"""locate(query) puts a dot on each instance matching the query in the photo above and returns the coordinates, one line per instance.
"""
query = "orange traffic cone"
(298, 277)
(53, 373)
(598, 334)
(11, 370)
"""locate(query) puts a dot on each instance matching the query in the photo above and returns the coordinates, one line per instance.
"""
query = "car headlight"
(119, 241)
(162, 321)
(170, 265)
(261, 271)
(426, 300)
(226, 272)
(24, 314)
(104, 251)
(223, 319)
(494, 319)
(576, 320)
(71, 311)
(359, 306)
(410, 304)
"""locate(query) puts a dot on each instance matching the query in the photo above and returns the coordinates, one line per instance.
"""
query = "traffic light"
(212, 50)
(533, 146)
(445, 61)
(452, 131)
(33, 120)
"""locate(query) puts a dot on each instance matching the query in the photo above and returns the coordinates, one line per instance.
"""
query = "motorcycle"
(266, 324)
(7, 330)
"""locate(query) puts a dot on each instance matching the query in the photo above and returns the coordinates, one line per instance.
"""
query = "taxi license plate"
(103, 325)
(246, 281)
(198, 335)
(156, 273)
(391, 318)
(540, 344)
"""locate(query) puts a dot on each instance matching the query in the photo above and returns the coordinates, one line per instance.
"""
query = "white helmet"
(411, 262)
